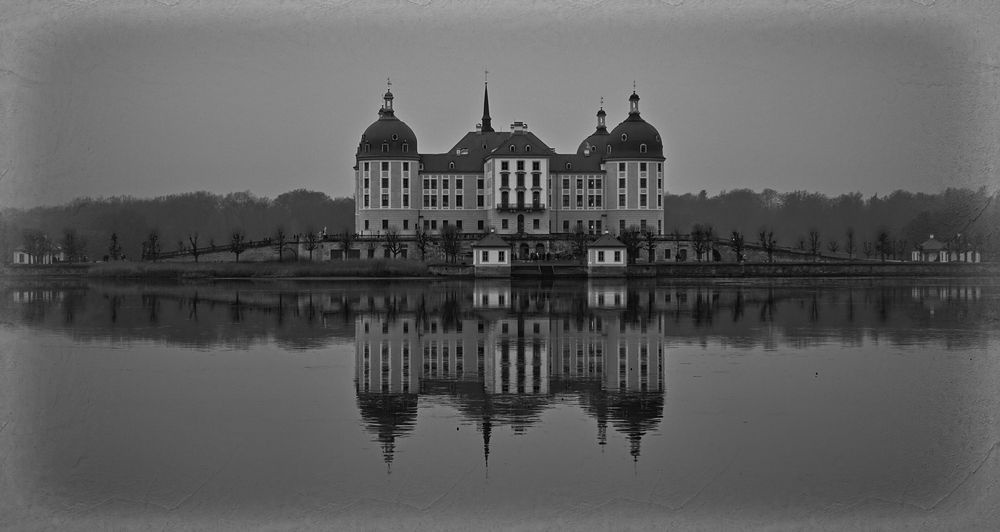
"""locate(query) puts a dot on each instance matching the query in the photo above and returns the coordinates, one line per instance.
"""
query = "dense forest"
(794, 218)
(211, 218)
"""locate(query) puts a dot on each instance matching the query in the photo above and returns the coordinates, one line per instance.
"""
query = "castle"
(510, 183)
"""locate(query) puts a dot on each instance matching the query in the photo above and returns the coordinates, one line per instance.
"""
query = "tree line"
(876, 226)
(136, 228)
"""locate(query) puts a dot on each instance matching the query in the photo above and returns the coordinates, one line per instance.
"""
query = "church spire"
(487, 126)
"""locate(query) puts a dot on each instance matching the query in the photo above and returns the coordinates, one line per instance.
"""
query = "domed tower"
(595, 143)
(633, 156)
(386, 173)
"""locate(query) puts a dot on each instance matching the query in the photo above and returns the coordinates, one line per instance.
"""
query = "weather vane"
(486, 76)
(602, 102)
(388, 82)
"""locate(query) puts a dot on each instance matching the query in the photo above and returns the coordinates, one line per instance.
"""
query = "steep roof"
(468, 153)
(491, 240)
(932, 245)
(577, 163)
(521, 141)
(607, 241)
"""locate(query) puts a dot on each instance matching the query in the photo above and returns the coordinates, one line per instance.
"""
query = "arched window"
(569, 166)
(609, 148)
(451, 165)
(406, 148)
(642, 148)
(368, 147)
(624, 137)
(512, 148)
(527, 148)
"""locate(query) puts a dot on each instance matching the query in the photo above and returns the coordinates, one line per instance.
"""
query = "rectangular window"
(566, 200)
(434, 225)
(565, 183)
(366, 225)
(385, 182)
(367, 184)
(458, 224)
(536, 223)
(503, 223)
(659, 200)
(621, 182)
(458, 200)
(500, 256)
(600, 256)
(621, 168)
(520, 165)
(642, 182)
(385, 224)
(536, 180)
(427, 225)
(459, 183)
(406, 200)
(642, 167)
(385, 199)
(504, 165)
(479, 183)
(406, 167)
(520, 179)
(406, 183)
(479, 225)
(367, 167)
(621, 200)
(621, 226)
(485, 256)
(444, 200)
(366, 201)
(536, 165)
(642, 200)
(480, 201)
(406, 224)
(642, 225)
(385, 166)
(504, 179)
(579, 200)
(444, 184)
(565, 226)
(618, 256)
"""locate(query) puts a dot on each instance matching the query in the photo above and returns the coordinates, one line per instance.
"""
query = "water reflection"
(503, 355)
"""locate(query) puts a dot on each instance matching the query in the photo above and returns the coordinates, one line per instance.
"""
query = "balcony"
(521, 207)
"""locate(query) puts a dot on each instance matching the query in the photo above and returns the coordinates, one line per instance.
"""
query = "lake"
(601, 404)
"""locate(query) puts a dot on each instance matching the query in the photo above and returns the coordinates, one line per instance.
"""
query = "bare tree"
(451, 242)
(676, 235)
(868, 248)
(280, 240)
(767, 242)
(702, 236)
(833, 246)
(883, 243)
(346, 239)
(580, 240)
(737, 242)
(649, 242)
(151, 246)
(312, 242)
(237, 243)
(193, 240)
(73, 246)
(815, 244)
(630, 236)
(392, 241)
(424, 240)
(36, 245)
(114, 248)
(849, 246)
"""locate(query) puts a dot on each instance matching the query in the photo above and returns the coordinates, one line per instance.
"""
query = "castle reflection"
(503, 354)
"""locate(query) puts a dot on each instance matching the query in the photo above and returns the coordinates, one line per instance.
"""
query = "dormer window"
(609, 148)
(527, 148)
(421, 167)
(569, 166)
(368, 147)
(451, 165)
(406, 148)
(642, 148)
(512, 148)
(624, 137)
(385, 147)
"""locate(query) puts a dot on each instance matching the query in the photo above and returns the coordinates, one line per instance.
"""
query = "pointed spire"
(487, 125)
(601, 126)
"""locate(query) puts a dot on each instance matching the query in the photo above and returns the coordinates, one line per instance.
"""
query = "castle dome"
(634, 138)
(596, 142)
(388, 136)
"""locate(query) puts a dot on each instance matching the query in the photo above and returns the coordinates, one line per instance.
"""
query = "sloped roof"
(520, 141)
(607, 241)
(931, 244)
(468, 153)
(492, 240)
(578, 164)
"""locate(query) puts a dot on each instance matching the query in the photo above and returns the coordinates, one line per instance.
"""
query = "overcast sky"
(831, 96)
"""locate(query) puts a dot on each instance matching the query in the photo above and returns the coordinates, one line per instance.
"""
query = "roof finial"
(602, 102)
(633, 85)
(486, 76)
(388, 83)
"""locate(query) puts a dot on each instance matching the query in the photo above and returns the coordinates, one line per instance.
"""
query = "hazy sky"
(101, 99)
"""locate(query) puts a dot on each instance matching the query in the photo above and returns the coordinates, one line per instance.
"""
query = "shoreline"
(414, 270)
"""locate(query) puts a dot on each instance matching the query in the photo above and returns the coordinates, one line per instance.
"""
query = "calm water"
(427, 405)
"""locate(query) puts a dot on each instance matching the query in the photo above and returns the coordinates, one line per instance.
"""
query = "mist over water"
(604, 402)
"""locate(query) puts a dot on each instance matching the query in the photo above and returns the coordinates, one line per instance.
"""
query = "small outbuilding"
(491, 257)
(607, 257)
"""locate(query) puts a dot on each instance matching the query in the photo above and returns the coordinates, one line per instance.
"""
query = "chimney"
(479, 128)
(518, 127)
